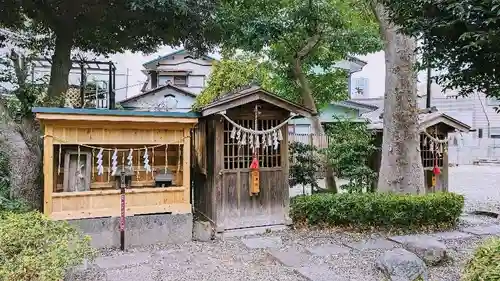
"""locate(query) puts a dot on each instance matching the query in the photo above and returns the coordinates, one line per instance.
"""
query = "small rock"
(401, 265)
(202, 231)
(431, 251)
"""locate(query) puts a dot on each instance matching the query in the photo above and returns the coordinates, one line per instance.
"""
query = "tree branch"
(309, 46)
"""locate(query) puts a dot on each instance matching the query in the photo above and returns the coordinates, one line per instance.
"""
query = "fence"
(320, 141)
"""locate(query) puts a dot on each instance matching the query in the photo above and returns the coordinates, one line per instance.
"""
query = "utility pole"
(126, 84)
(429, 83)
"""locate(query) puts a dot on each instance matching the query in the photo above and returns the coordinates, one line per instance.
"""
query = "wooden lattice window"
(240, 156)
(428, 152)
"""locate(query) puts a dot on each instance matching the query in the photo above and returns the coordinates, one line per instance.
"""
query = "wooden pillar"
(286, 174)
(186, 166)
(48, 170)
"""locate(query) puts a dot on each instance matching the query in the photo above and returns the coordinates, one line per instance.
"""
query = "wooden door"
(242, 210)
(239, 209)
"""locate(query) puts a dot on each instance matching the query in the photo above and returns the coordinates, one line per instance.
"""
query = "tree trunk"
(309, 102)
(61, 65)
(21, 144)
(401, 168)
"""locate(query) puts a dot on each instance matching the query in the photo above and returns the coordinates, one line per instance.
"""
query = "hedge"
(485, 264)
(36, 248)
(377, 210)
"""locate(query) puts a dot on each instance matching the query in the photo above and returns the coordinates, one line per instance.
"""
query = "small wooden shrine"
(241, 159)
(85, 151)
(435, 128)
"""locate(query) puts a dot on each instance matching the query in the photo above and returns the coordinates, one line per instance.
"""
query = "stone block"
(400, 264)
(141, 230)
(202, 231)
(147, 230)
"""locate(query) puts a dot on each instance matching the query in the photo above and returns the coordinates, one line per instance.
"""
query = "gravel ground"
(479, 184)
(231, 260)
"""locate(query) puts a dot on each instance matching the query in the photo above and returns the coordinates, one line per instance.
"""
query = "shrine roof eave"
(251, 94)
(107, 115)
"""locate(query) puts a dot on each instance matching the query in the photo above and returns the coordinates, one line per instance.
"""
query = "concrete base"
(140, 230)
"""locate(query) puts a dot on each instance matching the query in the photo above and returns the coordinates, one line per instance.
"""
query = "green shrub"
(378, 210)
(35, 248)
(485, 264)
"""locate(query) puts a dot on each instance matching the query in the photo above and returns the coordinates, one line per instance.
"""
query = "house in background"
(174, 81)
(349, 109)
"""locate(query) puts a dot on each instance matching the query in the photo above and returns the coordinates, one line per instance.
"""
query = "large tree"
(300, 37)
(56, 27)
(401, 164)
(460, 39)
(109, 26)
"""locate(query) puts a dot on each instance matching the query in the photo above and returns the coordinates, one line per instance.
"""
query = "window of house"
(359, 87)
(180, 80)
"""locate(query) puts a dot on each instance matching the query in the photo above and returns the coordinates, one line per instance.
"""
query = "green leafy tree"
(460, 39)
(305, 164)
(299, 38)
(105, 27)
(350, 145)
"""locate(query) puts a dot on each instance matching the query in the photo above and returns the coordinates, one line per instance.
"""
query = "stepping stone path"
(408, 238)
(328, 250)
(372, 244)
(451, 235)
(291, 257)
(262, 242)
(492, 229)
(320, 273)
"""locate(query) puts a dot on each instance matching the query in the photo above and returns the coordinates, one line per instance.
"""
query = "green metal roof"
(115, 112)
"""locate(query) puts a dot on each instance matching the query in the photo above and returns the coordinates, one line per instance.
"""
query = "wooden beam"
(48, 170)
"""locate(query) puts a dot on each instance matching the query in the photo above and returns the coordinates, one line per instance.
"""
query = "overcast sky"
(374, 71)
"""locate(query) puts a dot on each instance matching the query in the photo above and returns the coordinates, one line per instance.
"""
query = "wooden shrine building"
(435, 130)
(90, 154)
(241, 159)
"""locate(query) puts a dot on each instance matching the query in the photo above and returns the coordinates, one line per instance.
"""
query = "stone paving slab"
(328, 250)
(372, 244)
(473, 220)
(136, 273)
(320, 273)
(122, 260)
(406, 238)
(492, 229)
(452, 235)
(262, 242)
(291, 257)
